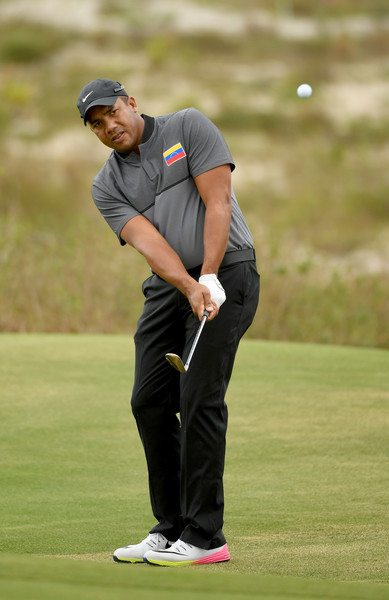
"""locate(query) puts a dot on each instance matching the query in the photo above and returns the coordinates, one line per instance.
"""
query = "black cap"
(99, 92)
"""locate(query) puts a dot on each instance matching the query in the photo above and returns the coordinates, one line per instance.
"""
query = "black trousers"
(185, 454)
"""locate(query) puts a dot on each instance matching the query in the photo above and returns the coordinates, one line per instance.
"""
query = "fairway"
(61, 579)
(306, 477)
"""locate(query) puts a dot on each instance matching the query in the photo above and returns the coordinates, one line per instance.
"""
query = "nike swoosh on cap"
(84, 99)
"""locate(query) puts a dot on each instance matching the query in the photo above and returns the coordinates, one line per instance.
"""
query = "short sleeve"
(115, 210)
(205, 145)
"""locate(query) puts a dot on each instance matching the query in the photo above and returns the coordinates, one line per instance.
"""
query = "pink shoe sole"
(221, 556)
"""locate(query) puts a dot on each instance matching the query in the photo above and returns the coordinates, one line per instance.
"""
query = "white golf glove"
(218, 294)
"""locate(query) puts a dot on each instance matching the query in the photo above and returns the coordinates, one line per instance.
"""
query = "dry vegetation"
(311, 175)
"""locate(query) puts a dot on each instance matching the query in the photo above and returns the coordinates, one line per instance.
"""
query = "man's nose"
(110, 124)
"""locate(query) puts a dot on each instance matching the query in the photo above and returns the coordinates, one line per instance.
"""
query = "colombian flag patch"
(173, 154)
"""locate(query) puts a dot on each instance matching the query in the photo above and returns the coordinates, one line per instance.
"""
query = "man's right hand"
(199, 297)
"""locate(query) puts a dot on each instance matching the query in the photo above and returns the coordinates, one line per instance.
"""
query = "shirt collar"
(149, 128)
(146, 135)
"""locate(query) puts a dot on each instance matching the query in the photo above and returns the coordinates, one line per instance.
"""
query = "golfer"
(166, 190)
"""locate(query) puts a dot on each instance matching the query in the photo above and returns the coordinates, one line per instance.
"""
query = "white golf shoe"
(182, 554)
(135, 553)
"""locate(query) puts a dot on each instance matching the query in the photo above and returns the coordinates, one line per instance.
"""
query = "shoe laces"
(154, 539)
(181, 547)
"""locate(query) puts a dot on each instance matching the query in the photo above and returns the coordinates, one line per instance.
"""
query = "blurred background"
(312, 174)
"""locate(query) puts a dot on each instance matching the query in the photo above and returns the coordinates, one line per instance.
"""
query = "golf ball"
(304, 90)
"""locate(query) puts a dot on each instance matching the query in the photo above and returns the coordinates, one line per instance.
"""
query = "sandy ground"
(185, 16)
(352, 94)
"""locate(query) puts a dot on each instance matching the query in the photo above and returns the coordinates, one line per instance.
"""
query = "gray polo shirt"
(159, 183)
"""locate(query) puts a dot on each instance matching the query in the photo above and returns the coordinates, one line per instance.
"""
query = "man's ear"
(132, 103)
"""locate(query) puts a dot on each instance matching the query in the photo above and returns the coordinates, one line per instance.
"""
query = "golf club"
(176, 361)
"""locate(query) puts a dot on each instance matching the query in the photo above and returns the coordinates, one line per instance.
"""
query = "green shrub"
(25, 43)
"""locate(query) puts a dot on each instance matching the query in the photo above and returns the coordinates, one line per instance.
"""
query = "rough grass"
(311, 175)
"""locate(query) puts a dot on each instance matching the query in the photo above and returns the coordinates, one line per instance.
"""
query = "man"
(166, 191)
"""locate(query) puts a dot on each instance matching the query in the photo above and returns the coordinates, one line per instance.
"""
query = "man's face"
(119, 127)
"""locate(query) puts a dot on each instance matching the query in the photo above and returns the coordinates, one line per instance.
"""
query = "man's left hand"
(216, 289)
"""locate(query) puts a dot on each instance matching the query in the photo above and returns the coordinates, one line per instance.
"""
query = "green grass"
(306, 472)
(42, 579)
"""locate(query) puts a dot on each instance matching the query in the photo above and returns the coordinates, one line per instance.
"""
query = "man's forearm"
(163, 260)
(216, 232)
(214, 187)
(166, 263)
(161, 257)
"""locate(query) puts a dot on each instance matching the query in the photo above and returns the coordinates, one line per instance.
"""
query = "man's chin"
(121, 148)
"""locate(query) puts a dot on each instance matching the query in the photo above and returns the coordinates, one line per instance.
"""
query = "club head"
(175, 362)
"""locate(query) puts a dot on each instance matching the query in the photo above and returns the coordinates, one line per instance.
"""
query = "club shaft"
(205, 317)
